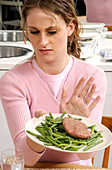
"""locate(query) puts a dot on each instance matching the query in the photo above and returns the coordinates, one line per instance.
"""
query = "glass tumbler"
(12, 159)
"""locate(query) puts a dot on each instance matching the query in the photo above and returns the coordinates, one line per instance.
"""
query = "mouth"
(45, 51)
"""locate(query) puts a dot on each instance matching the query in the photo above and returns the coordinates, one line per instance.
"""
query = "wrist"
(34, 146)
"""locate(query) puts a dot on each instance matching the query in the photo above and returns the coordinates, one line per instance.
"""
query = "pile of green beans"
(52, 133)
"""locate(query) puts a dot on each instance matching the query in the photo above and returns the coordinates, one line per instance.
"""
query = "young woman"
(53, 80)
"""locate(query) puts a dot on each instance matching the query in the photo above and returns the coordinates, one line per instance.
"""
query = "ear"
(71, 27)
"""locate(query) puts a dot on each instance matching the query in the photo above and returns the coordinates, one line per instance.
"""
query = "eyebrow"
(52, 27)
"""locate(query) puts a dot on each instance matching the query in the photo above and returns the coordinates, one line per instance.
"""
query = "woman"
(53, 80)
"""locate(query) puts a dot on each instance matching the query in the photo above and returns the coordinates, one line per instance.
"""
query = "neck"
(54, 68)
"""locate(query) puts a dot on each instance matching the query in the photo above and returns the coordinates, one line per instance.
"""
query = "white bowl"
(93, 25)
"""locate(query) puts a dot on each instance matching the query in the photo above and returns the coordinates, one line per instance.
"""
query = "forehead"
(39, 17)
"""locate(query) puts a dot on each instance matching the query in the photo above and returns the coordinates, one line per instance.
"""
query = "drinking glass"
(12, 160)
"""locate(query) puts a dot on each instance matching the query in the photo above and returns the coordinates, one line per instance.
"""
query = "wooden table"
(59, 166)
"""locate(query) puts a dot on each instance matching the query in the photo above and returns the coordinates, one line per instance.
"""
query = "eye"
(52, 32)
(34, 32)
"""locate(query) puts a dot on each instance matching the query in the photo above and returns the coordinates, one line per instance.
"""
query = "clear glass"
(12, 160)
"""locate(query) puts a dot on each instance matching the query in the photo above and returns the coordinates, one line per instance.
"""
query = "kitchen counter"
(97, 59)
(8, 63)
(103, 43)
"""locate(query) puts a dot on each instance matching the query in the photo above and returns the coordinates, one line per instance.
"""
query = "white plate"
(107, 135)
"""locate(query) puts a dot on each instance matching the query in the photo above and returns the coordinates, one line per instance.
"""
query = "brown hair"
(64, 8)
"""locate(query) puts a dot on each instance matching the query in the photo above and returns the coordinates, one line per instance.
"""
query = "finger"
(88, 98)
(39, 113)
(94, 103)
(86, 87)
(79, 86)
(62, 107)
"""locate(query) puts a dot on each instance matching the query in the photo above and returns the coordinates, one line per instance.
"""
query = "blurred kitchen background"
(10, 16)
(10, 13)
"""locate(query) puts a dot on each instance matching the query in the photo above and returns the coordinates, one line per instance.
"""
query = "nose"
(43, 40)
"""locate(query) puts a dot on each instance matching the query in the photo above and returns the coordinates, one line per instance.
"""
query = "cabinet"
(18, 4)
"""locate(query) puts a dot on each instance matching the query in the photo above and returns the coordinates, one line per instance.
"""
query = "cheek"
(30, 36)
(32, 39)
(62, 39)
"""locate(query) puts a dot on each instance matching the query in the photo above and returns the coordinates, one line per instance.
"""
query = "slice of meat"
(76, 128)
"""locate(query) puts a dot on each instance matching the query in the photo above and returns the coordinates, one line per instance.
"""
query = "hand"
(33, 145)
(79, 101)
(39, 113)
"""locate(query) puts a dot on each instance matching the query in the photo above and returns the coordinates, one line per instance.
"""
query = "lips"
(45, 51)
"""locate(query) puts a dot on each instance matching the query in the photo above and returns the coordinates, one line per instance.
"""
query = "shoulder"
(17, 77)
(82, 68)
(18, 71)
(26, 67)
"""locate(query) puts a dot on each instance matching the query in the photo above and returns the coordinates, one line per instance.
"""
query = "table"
(60, 166)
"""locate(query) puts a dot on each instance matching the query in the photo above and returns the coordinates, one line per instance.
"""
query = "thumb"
(39, 113)
(62, 107)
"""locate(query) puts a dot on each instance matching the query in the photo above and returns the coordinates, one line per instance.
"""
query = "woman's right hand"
(33, 145)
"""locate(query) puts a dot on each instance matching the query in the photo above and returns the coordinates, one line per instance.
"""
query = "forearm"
(30, 157)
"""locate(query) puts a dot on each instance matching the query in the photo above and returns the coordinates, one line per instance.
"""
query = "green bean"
(40, 137)
(74, 148)
(92, 141)
(92, 129)
(92, 145)
(74, 118)
(52, 141)
(96, 135)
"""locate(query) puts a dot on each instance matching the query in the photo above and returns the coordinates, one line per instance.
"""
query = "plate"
(107, 135)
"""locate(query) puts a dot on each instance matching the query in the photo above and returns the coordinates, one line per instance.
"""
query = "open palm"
(80, 102)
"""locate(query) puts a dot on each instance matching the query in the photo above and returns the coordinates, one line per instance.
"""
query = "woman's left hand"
(79, 101)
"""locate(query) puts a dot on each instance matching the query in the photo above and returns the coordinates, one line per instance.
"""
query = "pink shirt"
(99, 11)
(23, 91)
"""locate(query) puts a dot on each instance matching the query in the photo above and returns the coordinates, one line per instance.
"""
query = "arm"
(16, 103)
(88, 98)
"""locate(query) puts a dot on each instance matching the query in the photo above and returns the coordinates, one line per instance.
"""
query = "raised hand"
(81, 102)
